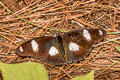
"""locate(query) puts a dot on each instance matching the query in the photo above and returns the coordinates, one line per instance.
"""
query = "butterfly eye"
(86, 34)
(53, 51)
(73, 46)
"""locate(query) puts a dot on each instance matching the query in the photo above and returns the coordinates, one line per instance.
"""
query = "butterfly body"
(62, 49)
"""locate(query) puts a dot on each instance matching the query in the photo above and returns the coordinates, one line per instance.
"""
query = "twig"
(66, 73)
(53, 29)
(106, 68)
(106, 41)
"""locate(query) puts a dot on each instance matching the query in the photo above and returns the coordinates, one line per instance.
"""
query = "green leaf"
(23, 71)
(118, 48)
(89, 76)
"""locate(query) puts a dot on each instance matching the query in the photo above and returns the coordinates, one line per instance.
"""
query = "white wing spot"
(100, 32)
(34, 45)
(86, 34)
(21, 49)
(53, 51)
(73, 46)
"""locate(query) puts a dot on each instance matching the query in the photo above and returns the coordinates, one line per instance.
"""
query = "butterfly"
(70, 47)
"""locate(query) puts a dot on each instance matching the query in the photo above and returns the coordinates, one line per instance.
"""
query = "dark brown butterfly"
(62, 49)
